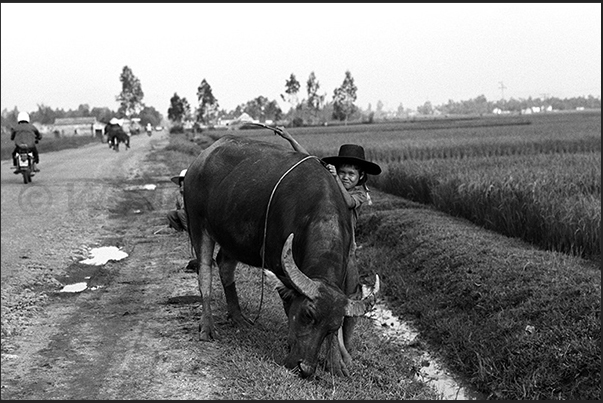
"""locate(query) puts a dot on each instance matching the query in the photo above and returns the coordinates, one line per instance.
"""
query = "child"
(350, 169)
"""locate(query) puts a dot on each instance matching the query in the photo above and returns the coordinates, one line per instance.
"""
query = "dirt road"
(85, 345)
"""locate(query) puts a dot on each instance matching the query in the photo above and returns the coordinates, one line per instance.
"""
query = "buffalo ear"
(360, 307)
(368, 291)
(285, 293)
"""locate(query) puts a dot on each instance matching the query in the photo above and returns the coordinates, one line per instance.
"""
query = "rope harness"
(266, 226)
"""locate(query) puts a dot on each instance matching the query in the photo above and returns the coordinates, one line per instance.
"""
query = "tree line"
(312, 109)
(480, 105)
(131, 106)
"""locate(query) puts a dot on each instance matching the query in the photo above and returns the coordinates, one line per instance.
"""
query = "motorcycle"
(25, 163)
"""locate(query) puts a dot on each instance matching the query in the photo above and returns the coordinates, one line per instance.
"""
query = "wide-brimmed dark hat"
(353, 154)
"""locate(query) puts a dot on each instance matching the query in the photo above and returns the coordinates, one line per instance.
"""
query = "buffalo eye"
(307, 317)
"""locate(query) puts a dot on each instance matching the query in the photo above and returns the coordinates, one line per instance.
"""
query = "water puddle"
(148, 186)
(103, 254)
(77, 287)
(87, 274)
(433, 373)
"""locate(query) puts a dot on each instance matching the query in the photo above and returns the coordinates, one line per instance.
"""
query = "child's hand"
(281, 132)
(332, 169)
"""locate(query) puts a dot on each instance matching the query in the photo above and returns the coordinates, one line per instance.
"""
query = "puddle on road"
(434, 374)
(148, 186)
(77, 287)
(99, 257)
(103, 254)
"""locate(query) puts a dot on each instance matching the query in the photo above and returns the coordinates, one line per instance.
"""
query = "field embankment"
(517, 322)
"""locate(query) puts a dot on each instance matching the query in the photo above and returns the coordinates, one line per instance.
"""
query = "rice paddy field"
(534, 177)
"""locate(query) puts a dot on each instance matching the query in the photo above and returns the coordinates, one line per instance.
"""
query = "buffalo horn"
(302, 283)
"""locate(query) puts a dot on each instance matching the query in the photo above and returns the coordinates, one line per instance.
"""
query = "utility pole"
(502, 89)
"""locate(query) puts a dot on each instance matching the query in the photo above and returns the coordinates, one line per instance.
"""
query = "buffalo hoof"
(339, 370)
(206, 334)
(240, 321)
(305, 370)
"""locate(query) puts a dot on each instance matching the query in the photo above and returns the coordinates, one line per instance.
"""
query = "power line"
(502, 89)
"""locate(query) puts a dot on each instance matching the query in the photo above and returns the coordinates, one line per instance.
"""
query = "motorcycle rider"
(25, 133)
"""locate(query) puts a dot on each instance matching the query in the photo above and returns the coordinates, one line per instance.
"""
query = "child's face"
(349, 175)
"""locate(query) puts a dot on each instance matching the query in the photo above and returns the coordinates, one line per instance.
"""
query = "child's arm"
(296, 146)
(349, 200)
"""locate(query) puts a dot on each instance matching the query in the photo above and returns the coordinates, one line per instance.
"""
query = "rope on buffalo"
(266, 226)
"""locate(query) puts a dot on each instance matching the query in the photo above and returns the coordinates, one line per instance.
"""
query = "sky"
(63, 55)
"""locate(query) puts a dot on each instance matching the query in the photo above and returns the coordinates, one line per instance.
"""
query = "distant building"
(43, 129)
(87, 126)
(243, 118)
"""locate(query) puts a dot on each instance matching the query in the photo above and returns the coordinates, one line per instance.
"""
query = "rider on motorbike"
(25, 133)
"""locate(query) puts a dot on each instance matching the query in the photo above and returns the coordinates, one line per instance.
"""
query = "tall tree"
(400, 112)
(273, 111)
(292, 87)
(208, 104)
(344, 98)
(45, 115)
(256, 108)
(150, 115)
(426, 108)
(83, 111)
(179, 109)
(131, 95)
(102, 114)
(314, 100)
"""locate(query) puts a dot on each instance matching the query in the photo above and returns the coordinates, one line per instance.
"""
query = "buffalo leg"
(227, 266)
(206, 327)
(352, 282)
(336, 361)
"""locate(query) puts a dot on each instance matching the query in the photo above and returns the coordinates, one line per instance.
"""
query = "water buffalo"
(115, 135)
(264, 204)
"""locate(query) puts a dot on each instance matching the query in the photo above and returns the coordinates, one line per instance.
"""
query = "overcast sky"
(64, 55)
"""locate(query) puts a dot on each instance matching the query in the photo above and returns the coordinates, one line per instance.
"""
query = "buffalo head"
(315, 309)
